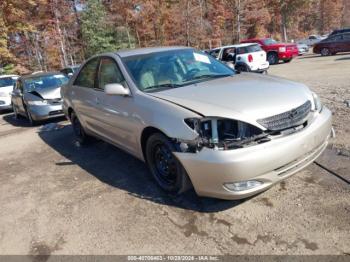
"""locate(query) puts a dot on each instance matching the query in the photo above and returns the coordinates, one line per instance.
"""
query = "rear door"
(85, 95)
(334, 43)
(346, 42)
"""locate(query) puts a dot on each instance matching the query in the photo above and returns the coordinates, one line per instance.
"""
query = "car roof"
(3, 76)
(40, 74)
(238, 45)
(148, 50)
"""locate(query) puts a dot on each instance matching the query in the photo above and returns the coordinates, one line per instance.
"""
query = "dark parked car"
(333, 44)
(340, 31)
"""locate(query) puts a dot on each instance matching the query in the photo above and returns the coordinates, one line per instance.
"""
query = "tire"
(242, 68)
(287, 60)
(78, 129)
(164, 166)
(325, 52)
(272, 58)
(30, 118)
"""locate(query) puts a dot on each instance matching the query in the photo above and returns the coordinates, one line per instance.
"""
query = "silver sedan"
(195, 121)
(38, 96)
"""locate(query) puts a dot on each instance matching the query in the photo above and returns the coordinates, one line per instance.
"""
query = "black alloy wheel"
(164, 166)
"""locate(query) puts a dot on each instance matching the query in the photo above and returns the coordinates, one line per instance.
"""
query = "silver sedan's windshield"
(157, 71)
(42, 82)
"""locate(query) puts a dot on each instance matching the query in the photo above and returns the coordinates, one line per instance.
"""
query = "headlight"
(282, 49)
(4, 94)
(317, 102)
(223, 133)
(38, 103)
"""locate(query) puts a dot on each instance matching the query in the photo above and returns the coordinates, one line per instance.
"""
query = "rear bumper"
(260, 68)
(287, 55)
(268, 163)
(39, 113)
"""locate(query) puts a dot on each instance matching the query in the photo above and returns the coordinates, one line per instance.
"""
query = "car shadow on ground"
(24, 122)
(320, 56)
(343, 58)
(121, 170)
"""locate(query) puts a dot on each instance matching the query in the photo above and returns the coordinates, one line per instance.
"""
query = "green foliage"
(98, 34)
(7, 69)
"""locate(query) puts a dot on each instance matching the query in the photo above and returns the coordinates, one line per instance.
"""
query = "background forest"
(50, 34)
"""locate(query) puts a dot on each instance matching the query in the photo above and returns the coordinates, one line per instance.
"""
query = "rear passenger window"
(87, 75)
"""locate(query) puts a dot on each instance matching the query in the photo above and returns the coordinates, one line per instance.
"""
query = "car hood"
(246, 97)
(6, 89)
(47, 93)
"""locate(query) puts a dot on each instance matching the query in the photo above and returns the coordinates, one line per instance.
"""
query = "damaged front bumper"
(211, 170)
(45, 112)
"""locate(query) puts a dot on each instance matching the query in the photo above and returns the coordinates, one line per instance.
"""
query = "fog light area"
(243, 185)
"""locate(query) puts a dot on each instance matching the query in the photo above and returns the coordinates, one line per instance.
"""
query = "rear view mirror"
(116, 89)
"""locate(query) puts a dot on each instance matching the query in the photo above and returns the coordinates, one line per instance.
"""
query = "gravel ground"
(59, 198)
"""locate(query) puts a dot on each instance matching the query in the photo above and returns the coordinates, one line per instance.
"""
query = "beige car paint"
(121, 121)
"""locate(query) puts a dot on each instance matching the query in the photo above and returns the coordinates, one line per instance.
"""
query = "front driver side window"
(87, 75)
(109, 73)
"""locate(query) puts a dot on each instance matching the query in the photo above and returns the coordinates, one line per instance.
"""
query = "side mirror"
(116, 89)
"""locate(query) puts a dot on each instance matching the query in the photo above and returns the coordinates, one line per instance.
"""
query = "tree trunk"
(238, 21)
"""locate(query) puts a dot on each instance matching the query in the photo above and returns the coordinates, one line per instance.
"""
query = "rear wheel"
(272, 58)
(164, 166)
(242, 68)
(325, 52)
(287, 60)
(78, 129)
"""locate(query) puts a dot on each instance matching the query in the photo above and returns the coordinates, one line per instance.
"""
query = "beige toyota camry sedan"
(195, 122)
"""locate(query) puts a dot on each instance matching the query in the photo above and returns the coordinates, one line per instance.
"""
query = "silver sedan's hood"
(245, 97)
(47, 93)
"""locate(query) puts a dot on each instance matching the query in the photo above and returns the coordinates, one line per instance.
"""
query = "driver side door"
(117, 116)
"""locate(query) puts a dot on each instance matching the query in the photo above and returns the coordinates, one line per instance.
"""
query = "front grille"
(57, 112)
(56, 101)
(291, 118)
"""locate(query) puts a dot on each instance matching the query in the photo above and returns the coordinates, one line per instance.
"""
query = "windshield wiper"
(161, 86)
(210, 76)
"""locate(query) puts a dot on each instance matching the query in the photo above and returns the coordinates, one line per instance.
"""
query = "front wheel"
(325, 52)
(287, 60)
(30, 118)
(164, 166)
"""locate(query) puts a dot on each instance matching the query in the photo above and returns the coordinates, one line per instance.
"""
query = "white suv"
(247, 57)
(6, 88)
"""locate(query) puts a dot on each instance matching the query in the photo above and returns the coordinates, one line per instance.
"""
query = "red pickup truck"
(275, 51)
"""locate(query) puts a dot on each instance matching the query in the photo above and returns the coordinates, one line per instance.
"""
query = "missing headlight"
(222, 133)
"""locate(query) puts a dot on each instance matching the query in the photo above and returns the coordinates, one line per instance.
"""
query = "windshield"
(269, 41)
(7, 81)
(42, 82)
(157, 71)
